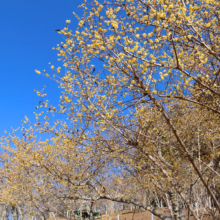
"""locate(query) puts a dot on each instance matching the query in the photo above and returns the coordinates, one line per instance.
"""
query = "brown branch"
(190, 100)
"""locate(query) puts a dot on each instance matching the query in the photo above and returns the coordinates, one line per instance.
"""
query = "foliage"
(141, 102)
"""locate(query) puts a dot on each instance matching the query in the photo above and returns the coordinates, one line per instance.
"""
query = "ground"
(145, 215)
(142, 215)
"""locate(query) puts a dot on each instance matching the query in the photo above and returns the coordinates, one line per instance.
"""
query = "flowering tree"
(141, 100)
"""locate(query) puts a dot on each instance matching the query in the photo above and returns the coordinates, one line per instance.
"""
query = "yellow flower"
(145, 17)
(114, 24)
(68, 21)
(100, 7)
(37, 71)
(81, 23)
(26, 119)
(67, 99)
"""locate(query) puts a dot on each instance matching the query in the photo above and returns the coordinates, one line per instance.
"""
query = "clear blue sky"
(26, 41)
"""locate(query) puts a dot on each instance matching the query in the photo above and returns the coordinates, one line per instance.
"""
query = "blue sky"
(26, 41)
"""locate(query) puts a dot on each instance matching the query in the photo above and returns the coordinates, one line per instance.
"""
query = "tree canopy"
(138, 120)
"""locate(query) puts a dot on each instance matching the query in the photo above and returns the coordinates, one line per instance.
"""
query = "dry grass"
(145, 215)
(141, 215)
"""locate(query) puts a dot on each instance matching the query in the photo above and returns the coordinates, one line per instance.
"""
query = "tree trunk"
(174, 203)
